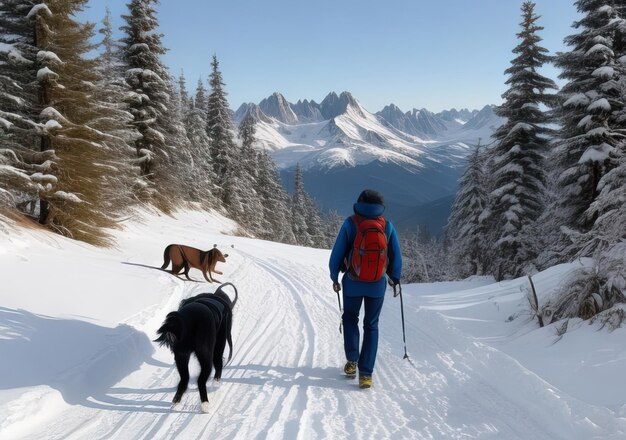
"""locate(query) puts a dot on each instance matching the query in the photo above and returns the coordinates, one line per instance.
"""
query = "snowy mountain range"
(412, 157)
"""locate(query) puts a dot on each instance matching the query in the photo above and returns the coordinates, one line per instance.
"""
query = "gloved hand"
(393, 281)
(337, 287)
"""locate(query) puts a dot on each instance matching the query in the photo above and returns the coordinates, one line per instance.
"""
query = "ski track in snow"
(285, 379)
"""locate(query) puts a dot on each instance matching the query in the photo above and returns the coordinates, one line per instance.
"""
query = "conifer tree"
(608, 210)
(86, 173)
(589, 110)
(183, 93)
(149, 81)
(300, 210)
(249, 160)
(517, 157)
(276, 202)
(467, 226)
(181, 160)
(114, 118)
(332, 223)
(196, 123)
(200, 102)
(111, 65)
(315, 224)
(590, 167)
(247, 131)
(219, 129)
(25, 174)
(306, 220)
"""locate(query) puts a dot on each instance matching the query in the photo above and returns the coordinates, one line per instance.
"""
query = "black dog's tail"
(166, 257)
(171, 331)
(229, 336)
(219, 289)
(229, 320)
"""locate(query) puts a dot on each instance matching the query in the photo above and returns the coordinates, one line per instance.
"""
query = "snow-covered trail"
(285, 379)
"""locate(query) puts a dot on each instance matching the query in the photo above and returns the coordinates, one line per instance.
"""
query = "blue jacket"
(343, 245)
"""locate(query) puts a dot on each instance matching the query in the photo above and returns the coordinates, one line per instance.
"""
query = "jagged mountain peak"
(461, 116)
(253, 110)
(306, 102)
(335, 105)
(278, 108)
(242, 111)
(307, 111)
(484, 118)
(392, 107)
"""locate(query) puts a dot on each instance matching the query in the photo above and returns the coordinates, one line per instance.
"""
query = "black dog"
(201, 325)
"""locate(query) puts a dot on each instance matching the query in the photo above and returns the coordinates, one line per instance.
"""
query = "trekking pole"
(340, 311)
(396, 293)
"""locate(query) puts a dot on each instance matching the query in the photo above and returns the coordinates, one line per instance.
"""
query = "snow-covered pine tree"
(200, 101)
(25, 171)
(606, 240)
(608, 210)
(426, 258)
(253, 208)
(300, 210)
(466, 231)
(195, 123)
(149, 81)
(315, 224)
(276, 202)
(114, 119)
(247, 131)
(589, 111)
(79, 203)
(591, 159)
(183, 93)
(181, 160)
(517, 169)
(332, 224)
(233, 190)
(219, 129)
(110, 57)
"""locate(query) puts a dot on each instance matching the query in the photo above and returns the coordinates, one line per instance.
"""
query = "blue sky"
(436, 54)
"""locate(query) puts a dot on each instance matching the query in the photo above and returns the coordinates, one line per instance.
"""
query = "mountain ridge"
(412, 157)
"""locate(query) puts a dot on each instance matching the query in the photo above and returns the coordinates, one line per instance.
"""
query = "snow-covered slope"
(77, 361)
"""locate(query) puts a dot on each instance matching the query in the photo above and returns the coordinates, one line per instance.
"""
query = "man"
(367, 248)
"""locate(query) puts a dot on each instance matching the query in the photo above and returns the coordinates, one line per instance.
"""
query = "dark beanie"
(371, 196)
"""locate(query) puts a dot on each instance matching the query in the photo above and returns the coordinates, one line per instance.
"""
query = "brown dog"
(186, 257)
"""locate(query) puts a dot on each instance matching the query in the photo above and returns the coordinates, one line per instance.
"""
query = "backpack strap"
(353, 229)
(388, 234)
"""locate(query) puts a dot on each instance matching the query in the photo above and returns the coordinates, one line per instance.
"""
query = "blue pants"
(367, 355)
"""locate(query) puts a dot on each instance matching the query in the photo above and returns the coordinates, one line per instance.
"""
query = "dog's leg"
(218, 354)
(205, 358)
(166, 257)
(175, 269)
(209, 279)
(182, 364)
(187, 267)
(218, 272)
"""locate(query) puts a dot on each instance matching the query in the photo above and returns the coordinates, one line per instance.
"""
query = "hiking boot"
(365, 381)
(350, 369)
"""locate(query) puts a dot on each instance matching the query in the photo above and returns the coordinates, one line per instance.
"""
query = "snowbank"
(76, 325)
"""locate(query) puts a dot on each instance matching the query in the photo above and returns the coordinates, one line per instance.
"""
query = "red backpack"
(367, 261)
